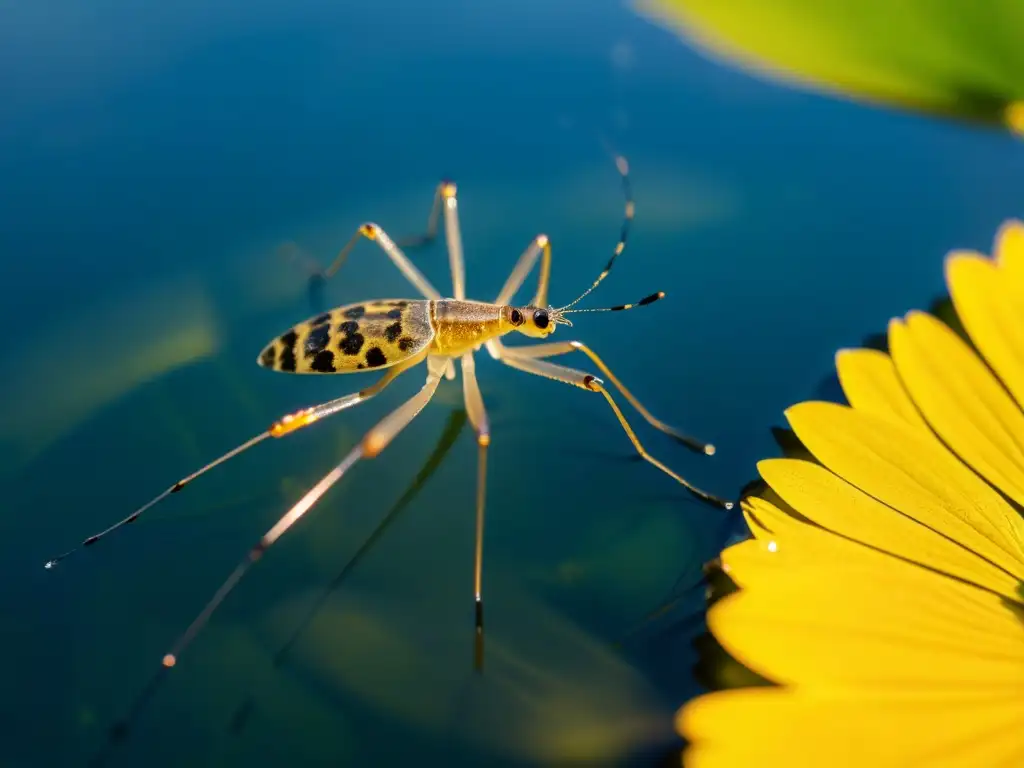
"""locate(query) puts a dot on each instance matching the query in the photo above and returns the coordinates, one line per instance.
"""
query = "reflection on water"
(75, 362)
(551, 692)
(456, 422)
(154, 162)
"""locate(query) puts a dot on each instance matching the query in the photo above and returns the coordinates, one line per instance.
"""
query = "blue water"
(153, 162)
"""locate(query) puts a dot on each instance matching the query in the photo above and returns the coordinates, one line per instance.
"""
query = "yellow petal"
(912, 475)
(779, 727)
(801, 546)
(894, 627)
(839, 506)
(870, 383)
(757, 528)
(747, 561)
(992, 316)
(788, 545)
(1009, 250)
(772, 522)
(961, 400)
(749, 551)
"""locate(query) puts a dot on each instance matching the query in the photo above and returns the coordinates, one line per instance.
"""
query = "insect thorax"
(460, 326)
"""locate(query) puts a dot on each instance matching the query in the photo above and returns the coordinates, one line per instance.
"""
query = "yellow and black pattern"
(356, 337)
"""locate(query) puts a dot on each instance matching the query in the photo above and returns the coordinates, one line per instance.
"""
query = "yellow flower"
(882, 590)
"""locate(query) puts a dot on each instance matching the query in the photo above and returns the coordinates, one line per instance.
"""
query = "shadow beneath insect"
(315, 293)
(293, 253)
(456, 421)
(120, 730)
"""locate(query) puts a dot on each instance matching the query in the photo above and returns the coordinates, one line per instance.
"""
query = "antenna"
(623, 167)
(619, 307)
(558, 314)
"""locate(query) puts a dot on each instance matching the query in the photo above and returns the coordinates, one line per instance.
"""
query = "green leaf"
(945, 57)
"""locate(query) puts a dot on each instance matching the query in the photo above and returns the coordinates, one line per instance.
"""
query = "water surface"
(154, 160)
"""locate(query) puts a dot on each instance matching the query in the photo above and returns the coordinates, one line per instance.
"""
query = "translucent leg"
(372, 232)
(553, 349)
(286, 425)
(478, 418)
(593, 384)
(375, 441)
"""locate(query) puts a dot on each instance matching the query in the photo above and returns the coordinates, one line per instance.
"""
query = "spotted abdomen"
(357, 337)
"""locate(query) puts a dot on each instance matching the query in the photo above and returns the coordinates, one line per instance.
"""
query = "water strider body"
(385, 332)
(394, 335)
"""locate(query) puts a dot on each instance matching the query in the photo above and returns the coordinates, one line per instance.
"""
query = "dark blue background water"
(154, 158)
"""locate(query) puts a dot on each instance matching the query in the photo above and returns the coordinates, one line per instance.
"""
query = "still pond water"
(154, 162)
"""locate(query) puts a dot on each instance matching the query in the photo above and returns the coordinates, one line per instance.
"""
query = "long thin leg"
(453, 235)
(371, 231)
(524, 264)
(453, 428)
(555, 348)
(541, 246)
(445, 195)
(591, 383)
(283, 426)
(375, 441)
(478, 418)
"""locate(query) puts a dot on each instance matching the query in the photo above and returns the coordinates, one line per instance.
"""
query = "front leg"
(555, 348)
(591, 383)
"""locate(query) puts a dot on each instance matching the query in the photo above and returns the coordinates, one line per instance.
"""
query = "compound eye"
(541, 318)
(516, 317)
